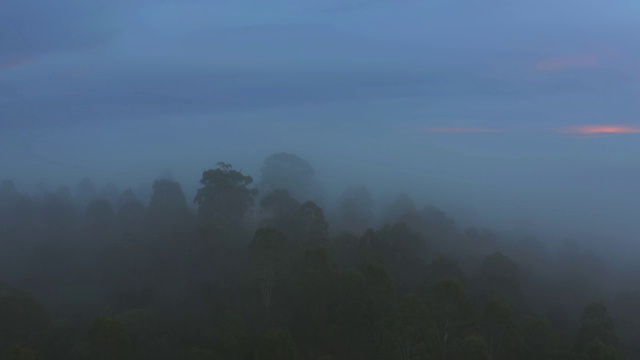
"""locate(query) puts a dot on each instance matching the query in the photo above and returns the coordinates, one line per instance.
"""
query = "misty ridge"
(269, 266)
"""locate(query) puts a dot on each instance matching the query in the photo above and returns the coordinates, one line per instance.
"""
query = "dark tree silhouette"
(287, 171)
(357, 209)
(224, 198)
(86, 191)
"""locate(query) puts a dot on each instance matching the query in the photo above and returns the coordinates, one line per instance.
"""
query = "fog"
(521, 117)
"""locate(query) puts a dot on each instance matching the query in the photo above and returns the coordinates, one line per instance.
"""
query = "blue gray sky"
(526, 111)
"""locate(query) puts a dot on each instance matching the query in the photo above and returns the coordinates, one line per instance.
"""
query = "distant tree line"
(258, 272)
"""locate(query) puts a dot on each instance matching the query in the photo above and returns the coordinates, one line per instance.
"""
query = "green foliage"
(409, 332)
(142, 324)
(501, 329)
(355, 317)
(444, 267)
(197, 353)
(233, 337)
(277, 344)
(404, 241)
(188, 297)
(316, 289)
(475, 348)
(109, 339)
(19, 352)
(598, 350)
(500, 277)
(626, 310)
(540, 340)
(22, 320)
(268, 254)
(392, 243)
(596, 337)
(379, 287)
(401, 249)
(373, 247)
(268, 246)
(452, 310)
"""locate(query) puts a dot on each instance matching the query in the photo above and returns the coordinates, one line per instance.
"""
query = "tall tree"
(540, 340)
(277, 344)
(287, 171)
(100, 215)
(475, 348)
(86, 191)
(357, 209)
(111, 193)
(268, 254)
(17, 214)
(130, 214)
(500, 276)
(314, 298)
(409, 331)
(232, 340)
(399, 208)
(501, 331)
(452, 311)
(19, 352)
(168, 207)
(58, 214)
(597, 337)
(626, 310)
(224, 198)
(22, 320)
(309, 225)
(444, 267)
(109, 339)
(279, 203)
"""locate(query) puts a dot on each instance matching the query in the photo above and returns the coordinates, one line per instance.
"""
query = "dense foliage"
(248, 275)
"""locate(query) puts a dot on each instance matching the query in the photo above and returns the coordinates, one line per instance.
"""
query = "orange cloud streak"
(463, 130)
(562, 63)
(600, 129)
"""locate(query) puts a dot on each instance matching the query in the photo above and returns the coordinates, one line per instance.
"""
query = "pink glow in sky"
(600, 129)
(12, 63)
(563, 63)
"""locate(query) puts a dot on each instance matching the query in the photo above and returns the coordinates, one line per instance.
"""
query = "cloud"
(463, 130)
(33, 28)
(170, 61)
(236, 69)
(350, 6)
(10, 63)
(600, 129)
(563, 63)
(145, 89)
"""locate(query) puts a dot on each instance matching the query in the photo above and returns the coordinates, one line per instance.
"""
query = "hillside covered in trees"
(264, 269)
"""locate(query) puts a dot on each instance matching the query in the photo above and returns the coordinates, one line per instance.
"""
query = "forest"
(266, 269)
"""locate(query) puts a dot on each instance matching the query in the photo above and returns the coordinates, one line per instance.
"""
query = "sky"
(526, 111)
